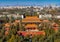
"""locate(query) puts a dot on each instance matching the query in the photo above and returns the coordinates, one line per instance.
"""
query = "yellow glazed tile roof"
(31, 26)
(31, 19)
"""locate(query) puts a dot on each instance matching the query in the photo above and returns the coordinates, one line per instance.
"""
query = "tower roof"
(31, 26)
(31, 19)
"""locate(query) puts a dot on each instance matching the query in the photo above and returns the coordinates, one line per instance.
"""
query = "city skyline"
(29, 2)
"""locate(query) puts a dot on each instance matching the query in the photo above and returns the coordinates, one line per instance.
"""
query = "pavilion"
(31, 24)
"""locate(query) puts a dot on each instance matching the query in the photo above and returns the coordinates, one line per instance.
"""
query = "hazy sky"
(28, 2)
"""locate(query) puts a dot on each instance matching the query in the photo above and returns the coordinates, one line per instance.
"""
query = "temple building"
(31, 24)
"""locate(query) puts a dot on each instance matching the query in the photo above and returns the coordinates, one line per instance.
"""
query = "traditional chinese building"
(31, 24)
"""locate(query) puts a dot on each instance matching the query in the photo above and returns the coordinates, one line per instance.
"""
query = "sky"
(28, 2)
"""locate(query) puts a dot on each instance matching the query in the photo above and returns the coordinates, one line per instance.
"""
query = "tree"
(12, 39)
